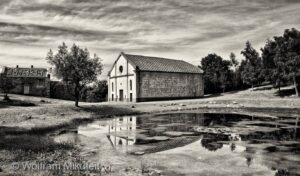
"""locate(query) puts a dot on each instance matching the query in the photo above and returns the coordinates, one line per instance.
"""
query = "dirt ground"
(51, 114)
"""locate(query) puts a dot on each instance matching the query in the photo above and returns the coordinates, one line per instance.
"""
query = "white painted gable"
(122, 81)
(127, 68)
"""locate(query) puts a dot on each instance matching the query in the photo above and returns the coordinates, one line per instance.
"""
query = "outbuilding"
(27, 81)
(136, 78)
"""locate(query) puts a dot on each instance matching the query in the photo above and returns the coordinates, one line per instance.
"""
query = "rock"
(69, 153)
(133, 107)
(179, 109)
(42, 101)
(234, 102)
(173, 133)
(27, 117)
(182, 104)
(159, 138)
(62, 114)
(154, 173)
(139, 153)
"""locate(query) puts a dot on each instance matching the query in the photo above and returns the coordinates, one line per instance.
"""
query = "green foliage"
(98, 92)
(288, 55)
(272, 67)
(6, 85)
(279, 64)
(281, 58)
(233, 60)
(251, 72)
(217, 73)
(75, 67)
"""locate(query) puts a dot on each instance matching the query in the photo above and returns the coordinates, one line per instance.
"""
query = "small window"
(112, 87)
(121, 69)
(112, 97)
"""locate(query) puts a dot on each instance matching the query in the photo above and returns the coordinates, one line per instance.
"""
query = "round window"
(121, 69)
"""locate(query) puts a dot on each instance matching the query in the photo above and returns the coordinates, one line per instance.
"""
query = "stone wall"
(37, 86)
(28, 81)
(162, 85)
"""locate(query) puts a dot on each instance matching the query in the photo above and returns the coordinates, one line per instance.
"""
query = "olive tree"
(75, 67)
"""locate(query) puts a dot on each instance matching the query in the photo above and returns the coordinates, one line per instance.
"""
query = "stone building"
(28, 81)
(143, 78)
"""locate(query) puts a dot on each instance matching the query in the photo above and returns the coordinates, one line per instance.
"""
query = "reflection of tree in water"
(249, 155)
(232, 147)
(249, 160)
(282, 172)
(190, 119)
(287, 134)
(211, 142)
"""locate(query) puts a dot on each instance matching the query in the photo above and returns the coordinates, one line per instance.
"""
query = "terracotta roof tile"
(148, 63)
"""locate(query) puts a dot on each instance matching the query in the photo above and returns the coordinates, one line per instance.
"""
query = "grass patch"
(42, 130)
(33, 143)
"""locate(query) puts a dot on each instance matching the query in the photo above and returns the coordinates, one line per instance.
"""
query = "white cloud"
(179, 29)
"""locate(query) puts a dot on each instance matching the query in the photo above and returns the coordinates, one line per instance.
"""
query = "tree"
(288, 55)
(97, 92)
(217, 74)
(6, 85)
(251, 71)
(75, 67)
(234, 63)
(273, 67)
(233, 60)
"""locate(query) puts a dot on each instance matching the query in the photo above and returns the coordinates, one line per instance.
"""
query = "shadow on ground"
(5, 104)
(285, 92)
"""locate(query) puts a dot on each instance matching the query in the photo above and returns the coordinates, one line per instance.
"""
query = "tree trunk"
(76, 102)
(77, 94)
(296, 86)
(279, 86)
(6, 97)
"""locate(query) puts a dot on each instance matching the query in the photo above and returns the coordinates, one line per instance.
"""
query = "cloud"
(187, 29)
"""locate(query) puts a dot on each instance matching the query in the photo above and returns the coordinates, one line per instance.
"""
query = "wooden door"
(26, 89)
(130, 97)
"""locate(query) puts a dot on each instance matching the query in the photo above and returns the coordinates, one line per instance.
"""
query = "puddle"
(247, 144)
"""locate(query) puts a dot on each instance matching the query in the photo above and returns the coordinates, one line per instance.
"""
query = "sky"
(178, 29)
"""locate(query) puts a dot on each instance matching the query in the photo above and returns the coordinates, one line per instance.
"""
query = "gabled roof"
(148, 63)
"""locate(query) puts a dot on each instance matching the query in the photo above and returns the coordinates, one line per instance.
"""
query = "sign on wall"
(26, 72)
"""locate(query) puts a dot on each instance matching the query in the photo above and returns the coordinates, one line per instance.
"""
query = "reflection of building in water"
(121, 131)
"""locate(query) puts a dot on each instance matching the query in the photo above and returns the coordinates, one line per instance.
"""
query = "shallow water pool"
(192, 143)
